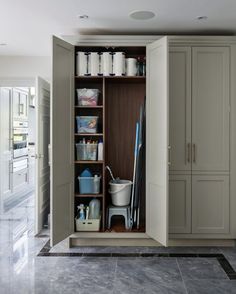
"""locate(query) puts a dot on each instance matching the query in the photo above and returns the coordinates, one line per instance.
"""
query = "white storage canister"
(106, 63)
(81, 63)
(119, 63)
(131, 66)
(93, 63)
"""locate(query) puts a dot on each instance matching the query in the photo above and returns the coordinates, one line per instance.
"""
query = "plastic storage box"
(89, 185)
(86, 151)
(87, 124)
(87, 225)
(87, 97)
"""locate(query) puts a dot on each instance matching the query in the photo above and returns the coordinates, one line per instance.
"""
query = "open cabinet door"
(42, 191)
(157, 137)
(62, 146)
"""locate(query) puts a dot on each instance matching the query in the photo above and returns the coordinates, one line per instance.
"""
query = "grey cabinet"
(210, 204)
(180, 203)
(210, 108)
(199, 139)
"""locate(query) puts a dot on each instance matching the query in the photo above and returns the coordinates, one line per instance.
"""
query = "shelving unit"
(97, 167)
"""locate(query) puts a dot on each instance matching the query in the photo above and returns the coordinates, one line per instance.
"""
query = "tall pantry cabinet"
(199, 139)
(190, 162)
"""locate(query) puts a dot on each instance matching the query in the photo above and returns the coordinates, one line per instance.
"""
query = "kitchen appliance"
(20, 138)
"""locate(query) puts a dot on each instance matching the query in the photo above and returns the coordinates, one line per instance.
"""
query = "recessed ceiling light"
(142, 15)
(3, 44)
(202, 17)
(83, 16)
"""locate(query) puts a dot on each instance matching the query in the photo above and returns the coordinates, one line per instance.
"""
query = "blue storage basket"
(89, 185)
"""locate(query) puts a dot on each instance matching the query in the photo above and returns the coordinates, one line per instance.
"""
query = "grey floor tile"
(147, 272)
(168, 287)
(201, 268)
(211, 287)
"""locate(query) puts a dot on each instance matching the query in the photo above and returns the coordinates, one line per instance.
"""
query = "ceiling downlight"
(141, 15)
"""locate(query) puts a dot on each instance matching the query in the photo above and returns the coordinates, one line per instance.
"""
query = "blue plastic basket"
(89, 185)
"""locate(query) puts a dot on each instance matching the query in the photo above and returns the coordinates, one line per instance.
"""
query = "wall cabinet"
(199, 136)
(195, 72)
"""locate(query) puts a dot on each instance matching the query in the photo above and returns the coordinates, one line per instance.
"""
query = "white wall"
(25, 67)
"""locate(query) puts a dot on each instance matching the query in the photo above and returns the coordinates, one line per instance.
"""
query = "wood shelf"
(110, 77)
(89, 107)
(89, 161)
(89, 134)
(88, 195)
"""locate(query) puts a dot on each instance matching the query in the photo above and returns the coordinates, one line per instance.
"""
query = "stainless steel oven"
(20, 138)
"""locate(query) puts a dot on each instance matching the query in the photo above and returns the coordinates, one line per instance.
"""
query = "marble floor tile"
(170, 287)
(210, 286)
(201, 268)
(147, 272)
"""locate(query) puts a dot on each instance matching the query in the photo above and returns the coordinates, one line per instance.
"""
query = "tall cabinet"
(190, 131)
(199, 138)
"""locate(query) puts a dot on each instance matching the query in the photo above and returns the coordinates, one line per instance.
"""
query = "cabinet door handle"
(188, 152)
(194, 153)
(169, 155)
(21, 108)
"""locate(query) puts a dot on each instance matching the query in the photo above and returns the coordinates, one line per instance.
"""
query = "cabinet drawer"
(20, 179)
(210, 199)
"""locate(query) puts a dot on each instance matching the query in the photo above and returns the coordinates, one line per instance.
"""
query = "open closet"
(175, 68)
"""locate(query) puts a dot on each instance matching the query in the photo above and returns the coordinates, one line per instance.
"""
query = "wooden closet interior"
(118, 109)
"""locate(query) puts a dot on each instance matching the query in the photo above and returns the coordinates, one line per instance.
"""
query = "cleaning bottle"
(100, 150)
(81, 211)
(94, 209)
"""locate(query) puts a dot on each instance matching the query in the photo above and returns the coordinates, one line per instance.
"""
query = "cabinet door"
(62, 146)
(23, 106)
(5, 143)
(180, 203)
(15, 103)
(210, 204)
(180, 108)
(20, 180)
(157, 136)
(210, 108)
(41, 149)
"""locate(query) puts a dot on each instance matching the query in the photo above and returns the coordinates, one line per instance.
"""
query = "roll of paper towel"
(93, 63)
(131, 66)
(119, 63)
(81, 63)
(106, 63)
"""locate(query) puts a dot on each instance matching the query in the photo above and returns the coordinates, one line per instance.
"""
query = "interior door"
(62, 146)
(157, 136)
(5, 145)
(41, 152)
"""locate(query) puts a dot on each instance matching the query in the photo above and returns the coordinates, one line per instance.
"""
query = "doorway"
(25, 171)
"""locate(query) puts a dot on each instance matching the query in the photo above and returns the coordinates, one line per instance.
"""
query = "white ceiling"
(26, 25)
